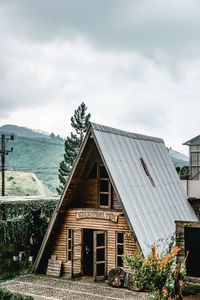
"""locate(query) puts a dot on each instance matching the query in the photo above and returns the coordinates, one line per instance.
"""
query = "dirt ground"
(46, 288)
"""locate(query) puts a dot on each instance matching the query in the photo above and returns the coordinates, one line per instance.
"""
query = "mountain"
(35, 152)
(179, 159)
(23, 131)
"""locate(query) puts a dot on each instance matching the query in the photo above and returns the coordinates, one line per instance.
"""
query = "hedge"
(5, 294)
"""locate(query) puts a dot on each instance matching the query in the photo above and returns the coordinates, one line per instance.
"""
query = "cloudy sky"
(135, 63)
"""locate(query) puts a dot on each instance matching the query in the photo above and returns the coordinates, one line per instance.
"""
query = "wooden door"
(77, 253)
(99, 257)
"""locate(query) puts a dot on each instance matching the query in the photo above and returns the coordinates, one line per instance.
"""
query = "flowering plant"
(157, 273)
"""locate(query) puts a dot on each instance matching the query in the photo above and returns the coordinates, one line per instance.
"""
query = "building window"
(69, 244)
(104, 188)
(147, 171)
(119, 249)
(195, 162)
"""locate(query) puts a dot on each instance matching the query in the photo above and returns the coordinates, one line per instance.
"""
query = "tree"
(80, 122)
(183, 172)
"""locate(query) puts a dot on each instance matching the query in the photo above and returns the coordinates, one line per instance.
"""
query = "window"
(69, 244)
(104, 187)
(147, 171)
(194, 148)
(195, 162)
(119, 249)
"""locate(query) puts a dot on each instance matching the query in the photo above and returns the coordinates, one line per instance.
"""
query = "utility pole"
(3, 151)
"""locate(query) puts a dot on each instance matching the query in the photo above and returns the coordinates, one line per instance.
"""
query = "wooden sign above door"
(103, 215)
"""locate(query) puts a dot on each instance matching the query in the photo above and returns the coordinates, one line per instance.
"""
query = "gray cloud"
(135, 63)
(149, 27)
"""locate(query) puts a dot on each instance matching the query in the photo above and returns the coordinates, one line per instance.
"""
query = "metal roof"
(193, 141)
(152, 206)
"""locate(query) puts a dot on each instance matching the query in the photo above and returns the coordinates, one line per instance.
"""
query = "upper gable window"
(147, 171)
(104, 188)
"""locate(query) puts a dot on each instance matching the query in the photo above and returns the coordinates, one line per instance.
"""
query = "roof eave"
(189, 142)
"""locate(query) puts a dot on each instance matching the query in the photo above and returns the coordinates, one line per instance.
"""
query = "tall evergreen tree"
(80, 122)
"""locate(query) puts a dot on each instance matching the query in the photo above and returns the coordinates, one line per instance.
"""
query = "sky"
(135, 63)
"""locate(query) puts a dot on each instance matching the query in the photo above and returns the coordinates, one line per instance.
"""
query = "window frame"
(116, 248)
(109, 192)
(194, 162)
(70, 237)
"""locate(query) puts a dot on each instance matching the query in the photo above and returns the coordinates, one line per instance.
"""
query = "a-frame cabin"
(123, 194)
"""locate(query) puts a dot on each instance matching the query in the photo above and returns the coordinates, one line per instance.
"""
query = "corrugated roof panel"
(152, 210)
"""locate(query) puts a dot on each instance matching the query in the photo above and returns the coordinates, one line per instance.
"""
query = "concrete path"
(46, 288)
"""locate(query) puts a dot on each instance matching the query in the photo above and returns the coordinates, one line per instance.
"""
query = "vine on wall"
(21, 219)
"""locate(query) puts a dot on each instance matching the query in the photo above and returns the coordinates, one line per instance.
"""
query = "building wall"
(70, 221)
(88, 196)
(191, 187)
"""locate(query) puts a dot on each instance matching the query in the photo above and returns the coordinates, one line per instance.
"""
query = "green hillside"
(23, 131)
(38, 155)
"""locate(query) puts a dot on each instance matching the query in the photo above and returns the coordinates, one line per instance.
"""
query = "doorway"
(99, 238)
(94, 253)
(192, 244)
(88, 252)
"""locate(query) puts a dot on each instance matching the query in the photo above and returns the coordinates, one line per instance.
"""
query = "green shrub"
(5, 294)
(191, 289)
(157, 273)
(21, 297)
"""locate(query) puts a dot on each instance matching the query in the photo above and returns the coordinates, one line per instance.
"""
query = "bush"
(157, 273)
(191, 289)
(5, 294)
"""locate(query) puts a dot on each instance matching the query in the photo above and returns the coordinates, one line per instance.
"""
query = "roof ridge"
(129, 134)
(191, 140)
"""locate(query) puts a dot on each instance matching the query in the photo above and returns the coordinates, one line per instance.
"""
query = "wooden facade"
(85, 224)
(92, 232)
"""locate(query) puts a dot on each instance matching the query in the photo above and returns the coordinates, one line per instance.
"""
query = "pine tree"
(80, 122)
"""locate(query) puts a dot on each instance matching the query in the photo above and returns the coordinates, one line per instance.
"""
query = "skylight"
(147, 171)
